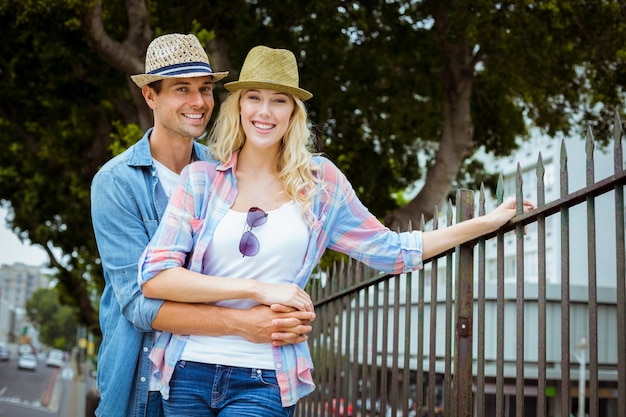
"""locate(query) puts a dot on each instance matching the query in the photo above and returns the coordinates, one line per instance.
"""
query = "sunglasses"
(249, 244)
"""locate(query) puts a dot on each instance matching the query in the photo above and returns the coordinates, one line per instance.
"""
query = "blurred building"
(18, 282)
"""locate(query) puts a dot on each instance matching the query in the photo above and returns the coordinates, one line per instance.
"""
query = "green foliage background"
(56, 323)
(385, 75)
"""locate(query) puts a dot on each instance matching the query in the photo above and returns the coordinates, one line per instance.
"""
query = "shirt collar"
(142, 157)
(230, 164)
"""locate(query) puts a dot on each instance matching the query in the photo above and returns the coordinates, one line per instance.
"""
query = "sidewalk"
(68, 397)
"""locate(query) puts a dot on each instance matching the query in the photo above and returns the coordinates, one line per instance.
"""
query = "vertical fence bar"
(322, 352)
(420, 339)
(618, 168)
(432, 355)
(520, 299)
(593, 293)
(480, 334)
(331, 351)
(342, 343)
(358, 341)
(375, 395)
(366, 393)
(406, 374)
(337, 344)
(500, 310)
(464, 311)
(541, 292)
(325, 354)
(565, 298)
(384, 368)
(395, 376)
(448, 404)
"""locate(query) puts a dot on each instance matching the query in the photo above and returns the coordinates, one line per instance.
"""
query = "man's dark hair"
(156, 86)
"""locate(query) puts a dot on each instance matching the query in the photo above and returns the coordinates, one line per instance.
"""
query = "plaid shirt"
(337, 220)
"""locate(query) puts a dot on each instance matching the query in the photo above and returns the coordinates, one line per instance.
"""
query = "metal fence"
(455, 340)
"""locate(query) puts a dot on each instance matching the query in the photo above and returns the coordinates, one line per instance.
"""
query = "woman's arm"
(182, 285)
(441, 240)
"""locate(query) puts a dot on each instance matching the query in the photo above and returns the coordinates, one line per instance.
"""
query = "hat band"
(182, 69)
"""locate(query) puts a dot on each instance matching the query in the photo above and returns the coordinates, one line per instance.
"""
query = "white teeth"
(194, 116)
(263, 126)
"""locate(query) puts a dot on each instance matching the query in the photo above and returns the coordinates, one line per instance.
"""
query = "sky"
(13, 251)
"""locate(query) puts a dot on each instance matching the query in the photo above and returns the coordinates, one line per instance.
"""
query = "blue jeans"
(155, 406)
(207, 390)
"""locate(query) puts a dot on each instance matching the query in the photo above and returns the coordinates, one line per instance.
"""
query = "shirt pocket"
(151, 227)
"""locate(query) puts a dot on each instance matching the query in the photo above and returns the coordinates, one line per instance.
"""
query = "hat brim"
(144, 79)
(268, 85)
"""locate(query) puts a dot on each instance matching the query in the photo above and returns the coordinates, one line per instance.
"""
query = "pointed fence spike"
(617, 127)
(617, 144)
(519, 189)
(563, 170)
(589, 147)
(541, 186)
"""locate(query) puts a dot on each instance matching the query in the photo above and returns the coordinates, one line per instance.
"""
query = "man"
(128, 197)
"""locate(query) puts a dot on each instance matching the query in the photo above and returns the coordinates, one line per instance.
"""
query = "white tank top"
(283, 241)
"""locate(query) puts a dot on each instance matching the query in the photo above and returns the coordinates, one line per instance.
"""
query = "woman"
(264, 211)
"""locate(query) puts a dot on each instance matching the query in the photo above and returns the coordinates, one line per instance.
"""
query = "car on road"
(25, 348)
(55, 358)
(27, 361)
(4, 354)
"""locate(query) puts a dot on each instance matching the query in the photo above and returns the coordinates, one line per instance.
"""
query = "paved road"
(26, 393)
(20, 410)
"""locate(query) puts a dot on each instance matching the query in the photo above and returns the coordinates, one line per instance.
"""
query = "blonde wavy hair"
(294, 161)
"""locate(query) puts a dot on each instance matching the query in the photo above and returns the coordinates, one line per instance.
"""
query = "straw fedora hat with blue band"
(270, 69)
(176, 56)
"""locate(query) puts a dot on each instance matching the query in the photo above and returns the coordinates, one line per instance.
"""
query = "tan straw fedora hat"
(270, 69)
(176, 56)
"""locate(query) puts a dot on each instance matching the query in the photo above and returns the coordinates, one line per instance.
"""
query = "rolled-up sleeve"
(411, 246)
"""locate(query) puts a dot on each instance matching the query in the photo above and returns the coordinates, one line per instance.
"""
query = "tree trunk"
(127, 56)
(456, 139)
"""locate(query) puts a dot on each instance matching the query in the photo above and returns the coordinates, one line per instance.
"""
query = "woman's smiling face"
(265, 116)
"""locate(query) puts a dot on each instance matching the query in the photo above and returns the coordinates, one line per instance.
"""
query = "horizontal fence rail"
(502, 326)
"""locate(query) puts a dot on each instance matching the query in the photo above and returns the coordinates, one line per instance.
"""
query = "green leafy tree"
(392, 80)
(55, 322)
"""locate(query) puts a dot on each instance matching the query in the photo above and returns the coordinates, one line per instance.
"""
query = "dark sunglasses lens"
(256, 217)
(249, 244)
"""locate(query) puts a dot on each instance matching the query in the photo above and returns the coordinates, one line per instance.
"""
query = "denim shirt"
(127, 203)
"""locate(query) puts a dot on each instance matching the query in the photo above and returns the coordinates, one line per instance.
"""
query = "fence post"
(464, 311)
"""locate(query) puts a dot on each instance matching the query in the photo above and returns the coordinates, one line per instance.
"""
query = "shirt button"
(278, 366)
(143, 379)
(145, 349)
